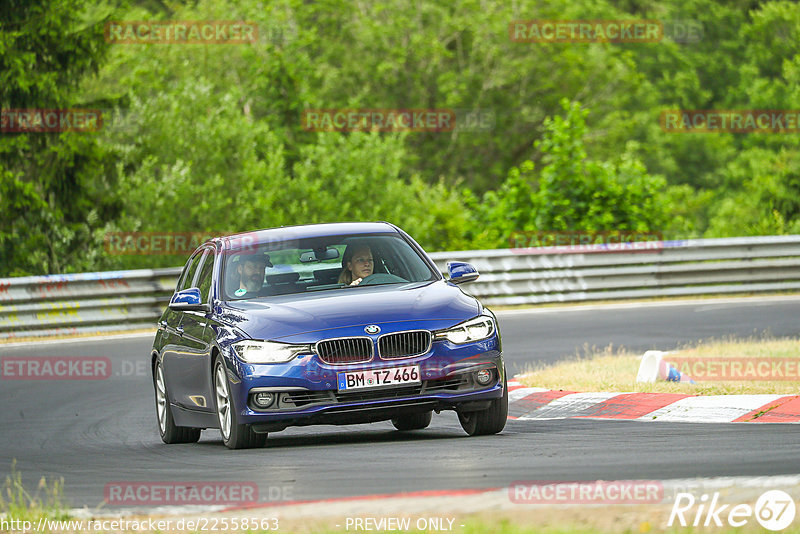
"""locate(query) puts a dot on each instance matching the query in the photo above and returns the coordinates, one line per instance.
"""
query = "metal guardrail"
(95, 302)
(85, 302)
(671, 268)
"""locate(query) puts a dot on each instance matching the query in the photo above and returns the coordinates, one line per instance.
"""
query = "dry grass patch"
(612, 369)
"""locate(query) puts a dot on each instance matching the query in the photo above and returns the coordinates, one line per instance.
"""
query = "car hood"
(305, 318)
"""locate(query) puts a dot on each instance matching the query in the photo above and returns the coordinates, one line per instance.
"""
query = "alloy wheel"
(161, 399)
(223, 401)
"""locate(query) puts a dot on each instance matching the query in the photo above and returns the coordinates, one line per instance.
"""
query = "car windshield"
(321, 264)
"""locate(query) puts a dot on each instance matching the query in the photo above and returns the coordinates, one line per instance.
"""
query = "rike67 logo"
(774, 510)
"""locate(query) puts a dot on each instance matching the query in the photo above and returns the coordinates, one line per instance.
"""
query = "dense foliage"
(209, 137)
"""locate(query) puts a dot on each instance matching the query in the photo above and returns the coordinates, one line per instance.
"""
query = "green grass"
(18, 503)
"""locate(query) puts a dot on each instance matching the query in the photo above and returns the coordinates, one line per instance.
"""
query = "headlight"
(267, 351)
(472, 330)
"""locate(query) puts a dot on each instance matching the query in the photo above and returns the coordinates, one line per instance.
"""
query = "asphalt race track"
(91, 433)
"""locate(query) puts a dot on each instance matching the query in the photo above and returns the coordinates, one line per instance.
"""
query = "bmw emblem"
(372, 329)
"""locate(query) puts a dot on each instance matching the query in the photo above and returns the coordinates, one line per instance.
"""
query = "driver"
(251, 270)
(357, 264)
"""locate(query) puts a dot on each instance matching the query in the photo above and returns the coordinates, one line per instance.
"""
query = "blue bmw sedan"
(323, 324)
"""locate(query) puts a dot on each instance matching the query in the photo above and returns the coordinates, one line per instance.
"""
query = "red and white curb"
(527, 403)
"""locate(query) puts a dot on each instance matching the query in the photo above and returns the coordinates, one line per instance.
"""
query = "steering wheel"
(380, 278)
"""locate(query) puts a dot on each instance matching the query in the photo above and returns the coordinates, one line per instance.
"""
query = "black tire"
(414, 421)
(235, 436)
(170, 433)
(489, 421)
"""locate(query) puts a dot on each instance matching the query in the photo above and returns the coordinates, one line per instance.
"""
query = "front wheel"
(489, 421)
(170, 432)
(234, 435)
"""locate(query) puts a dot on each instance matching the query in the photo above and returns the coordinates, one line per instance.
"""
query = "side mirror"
(188, 300)
(461, 272)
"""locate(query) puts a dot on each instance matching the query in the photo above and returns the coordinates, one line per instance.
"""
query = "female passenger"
(357, 264)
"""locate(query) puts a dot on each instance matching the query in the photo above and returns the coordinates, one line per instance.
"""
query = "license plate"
(372, 378)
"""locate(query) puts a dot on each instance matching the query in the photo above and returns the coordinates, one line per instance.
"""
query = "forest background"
(210, 137)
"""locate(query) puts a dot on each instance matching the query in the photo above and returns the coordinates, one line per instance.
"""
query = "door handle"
(180, 329)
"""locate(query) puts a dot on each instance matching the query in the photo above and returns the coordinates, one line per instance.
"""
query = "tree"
(52, 190)
(573, 191)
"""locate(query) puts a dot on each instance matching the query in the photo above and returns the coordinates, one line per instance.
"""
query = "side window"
(188, 271)
(206, 271)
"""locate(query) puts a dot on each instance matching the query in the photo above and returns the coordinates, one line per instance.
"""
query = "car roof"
(303, 231)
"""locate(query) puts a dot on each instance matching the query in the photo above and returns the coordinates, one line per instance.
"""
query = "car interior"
(316, 266)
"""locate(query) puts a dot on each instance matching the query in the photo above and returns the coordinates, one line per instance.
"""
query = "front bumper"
(306, 389)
